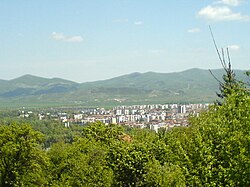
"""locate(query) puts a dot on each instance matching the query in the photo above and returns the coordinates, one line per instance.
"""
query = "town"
(153, 116)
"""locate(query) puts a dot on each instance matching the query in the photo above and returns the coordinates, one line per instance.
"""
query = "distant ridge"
(193, 85)
(32, 79)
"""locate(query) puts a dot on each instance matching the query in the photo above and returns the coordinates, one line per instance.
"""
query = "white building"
(182, 109)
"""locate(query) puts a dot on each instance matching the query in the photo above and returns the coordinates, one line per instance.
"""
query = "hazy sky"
(86, 40)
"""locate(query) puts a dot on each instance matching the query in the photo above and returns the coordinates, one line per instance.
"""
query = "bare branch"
(223, 59)
(215, 77)
(228, 56)
(215, 45)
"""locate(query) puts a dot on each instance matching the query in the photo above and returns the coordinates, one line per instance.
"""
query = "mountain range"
(190, 86)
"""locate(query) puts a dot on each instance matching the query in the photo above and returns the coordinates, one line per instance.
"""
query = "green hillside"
(194, 85)
(29, 85)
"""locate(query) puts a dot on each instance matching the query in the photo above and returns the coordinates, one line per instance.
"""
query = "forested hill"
(193, 85)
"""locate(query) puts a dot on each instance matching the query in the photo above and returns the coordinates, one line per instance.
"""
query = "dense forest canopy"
(213, 151)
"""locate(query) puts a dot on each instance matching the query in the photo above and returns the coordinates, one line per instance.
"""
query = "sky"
(88, 40)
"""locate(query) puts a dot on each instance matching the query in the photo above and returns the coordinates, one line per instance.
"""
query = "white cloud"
(233, 47)
(61, 37)
(193, 30)
(74, 39)
(57, 36)
(221, 13)
(230, 2)
(138, 23)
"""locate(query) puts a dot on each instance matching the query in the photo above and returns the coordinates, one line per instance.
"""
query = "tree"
(106, 134)
(79, 164)
(128, 161)
(214, 149)
(158, 175)
(22, 161)
(229, 82)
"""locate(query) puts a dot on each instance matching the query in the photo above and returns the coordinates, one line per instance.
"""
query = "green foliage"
(103, 133)
(22, 162)
(79, 164)
(158, 175)
(128, 162)
(214, 151)
(229, 84)
(53, 131)
(56, 132)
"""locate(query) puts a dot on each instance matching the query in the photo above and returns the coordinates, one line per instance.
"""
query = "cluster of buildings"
(141, 116)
